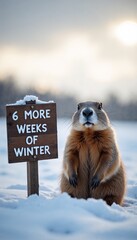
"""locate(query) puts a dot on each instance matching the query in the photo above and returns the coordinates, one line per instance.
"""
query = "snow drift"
(53, 215)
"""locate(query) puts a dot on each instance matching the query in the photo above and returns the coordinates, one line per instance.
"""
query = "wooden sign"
(32, 132)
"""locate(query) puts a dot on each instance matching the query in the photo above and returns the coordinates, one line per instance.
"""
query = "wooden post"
(32, 172)
(32, 178)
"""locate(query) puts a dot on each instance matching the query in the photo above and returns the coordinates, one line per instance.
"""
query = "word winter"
(32, 151)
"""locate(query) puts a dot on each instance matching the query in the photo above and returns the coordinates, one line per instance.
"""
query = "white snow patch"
(64, 217)
(28, 98)
(56, 216)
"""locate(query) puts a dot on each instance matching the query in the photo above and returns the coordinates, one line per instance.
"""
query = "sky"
(84, 48)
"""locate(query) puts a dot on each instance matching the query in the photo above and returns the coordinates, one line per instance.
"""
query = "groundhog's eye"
(100, 106)
(78, 106)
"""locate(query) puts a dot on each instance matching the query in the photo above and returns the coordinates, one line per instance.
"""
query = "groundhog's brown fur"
(92, 166)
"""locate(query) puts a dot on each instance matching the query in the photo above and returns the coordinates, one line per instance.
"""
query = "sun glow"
(74, 65)
(126, 32)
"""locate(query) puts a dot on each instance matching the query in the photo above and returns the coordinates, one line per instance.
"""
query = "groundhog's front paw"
(94, 182)
(73, 180)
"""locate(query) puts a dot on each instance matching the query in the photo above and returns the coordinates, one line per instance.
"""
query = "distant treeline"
(66, 105)
(10, 93)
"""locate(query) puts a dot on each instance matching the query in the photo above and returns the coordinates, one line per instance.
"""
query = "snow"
(53, 215)
(28, 98)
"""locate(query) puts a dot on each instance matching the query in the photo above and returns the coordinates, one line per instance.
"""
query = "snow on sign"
(32, 132)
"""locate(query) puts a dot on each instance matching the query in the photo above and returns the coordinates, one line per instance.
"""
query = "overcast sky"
(74, 46)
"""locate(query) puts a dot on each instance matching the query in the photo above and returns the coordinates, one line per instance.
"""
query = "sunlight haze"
(86, 49)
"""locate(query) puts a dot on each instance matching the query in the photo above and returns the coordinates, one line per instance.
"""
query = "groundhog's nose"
(87, 112)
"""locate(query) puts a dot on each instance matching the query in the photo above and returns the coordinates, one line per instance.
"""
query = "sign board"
(32, 132)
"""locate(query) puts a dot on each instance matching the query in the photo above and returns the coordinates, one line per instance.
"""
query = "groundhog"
(92, 166)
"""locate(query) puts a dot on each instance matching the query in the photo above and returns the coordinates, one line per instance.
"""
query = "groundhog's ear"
(100, 106)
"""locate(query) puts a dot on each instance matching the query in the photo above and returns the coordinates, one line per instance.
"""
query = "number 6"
(15, 116)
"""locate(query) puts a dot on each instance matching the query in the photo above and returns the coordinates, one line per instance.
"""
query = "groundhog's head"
(90, 115)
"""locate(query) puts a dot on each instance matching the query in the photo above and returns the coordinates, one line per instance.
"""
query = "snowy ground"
(57, 216)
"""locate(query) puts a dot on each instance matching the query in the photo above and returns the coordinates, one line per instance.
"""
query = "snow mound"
(28, 98)
(64, 217)
(55, 216)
